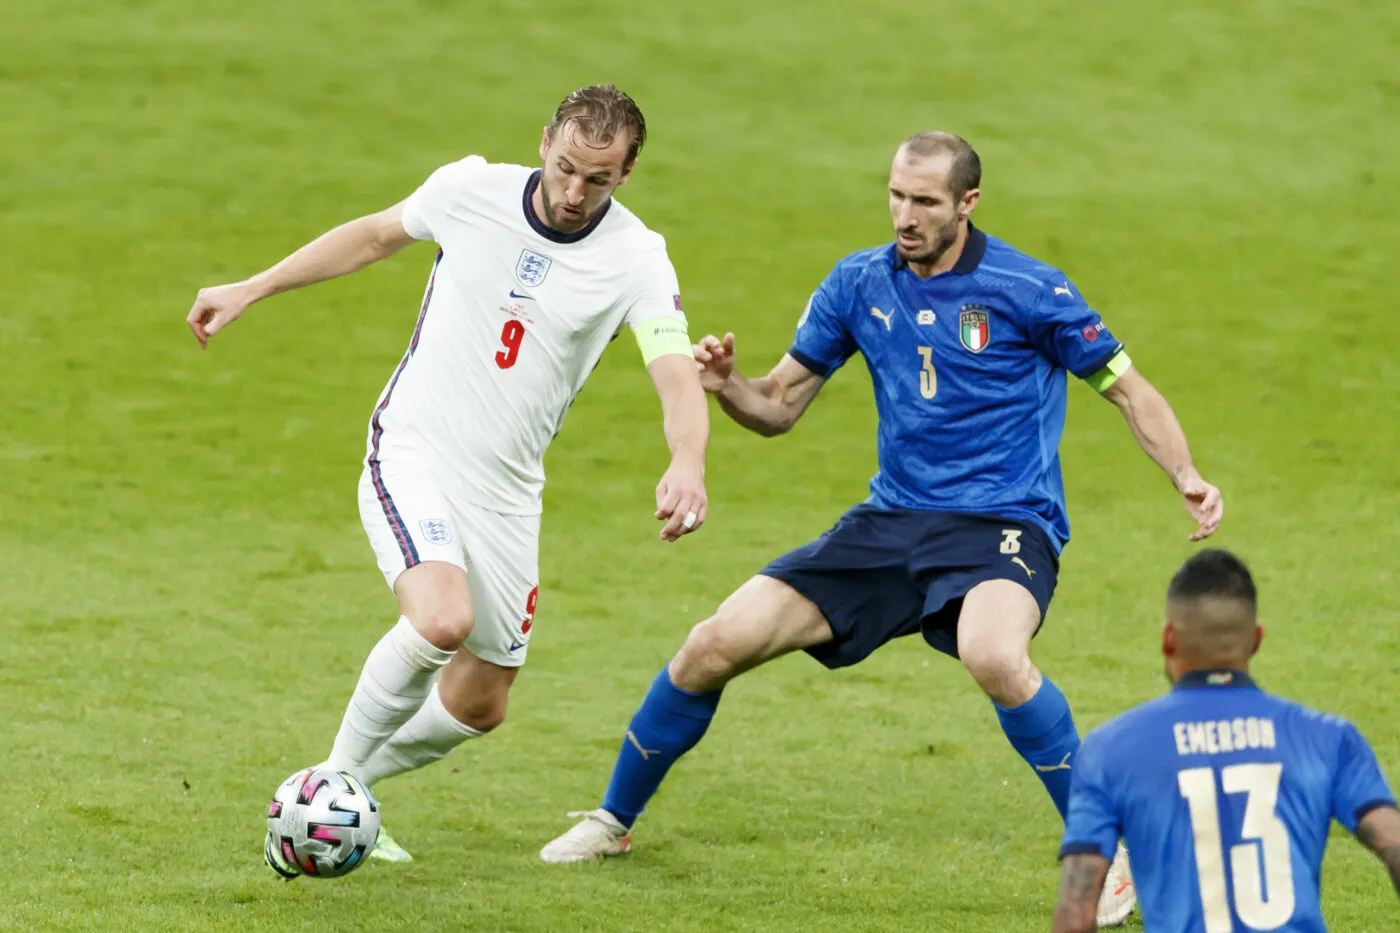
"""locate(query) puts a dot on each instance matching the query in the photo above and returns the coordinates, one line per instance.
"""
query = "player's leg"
(467, 701)
(763, 619)
(469, 698)
(416, 549)
(995, 627)
(997, 621)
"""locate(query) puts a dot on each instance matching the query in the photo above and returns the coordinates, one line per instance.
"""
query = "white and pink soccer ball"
(321, 823)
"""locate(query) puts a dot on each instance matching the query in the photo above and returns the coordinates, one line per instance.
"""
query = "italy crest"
(973, 328)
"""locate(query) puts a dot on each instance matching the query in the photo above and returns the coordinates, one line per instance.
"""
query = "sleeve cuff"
(1368, 807)
(1109, 371)
(816, 367)
(1084, 848)
(412, 220)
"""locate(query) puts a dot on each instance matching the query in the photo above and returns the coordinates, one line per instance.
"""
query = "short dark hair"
(966, 172)
(601, 112)
(1213, 573)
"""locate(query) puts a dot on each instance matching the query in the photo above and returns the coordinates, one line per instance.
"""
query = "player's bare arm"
(348, 248)
(680, 496)
(769, 405)
(1379, 831)
(1160, 435)
(1081, 880)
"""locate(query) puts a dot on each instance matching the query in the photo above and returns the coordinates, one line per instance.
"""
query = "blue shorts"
(879, 574)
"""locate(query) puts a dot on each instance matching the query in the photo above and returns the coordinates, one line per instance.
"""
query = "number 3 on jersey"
(511, 336)
(1261, 865)
(928, 377)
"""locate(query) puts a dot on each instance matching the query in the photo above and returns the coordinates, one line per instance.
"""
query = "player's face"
(925, 212)
(578, 177)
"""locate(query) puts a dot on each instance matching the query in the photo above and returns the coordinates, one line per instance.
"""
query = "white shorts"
(410, 518)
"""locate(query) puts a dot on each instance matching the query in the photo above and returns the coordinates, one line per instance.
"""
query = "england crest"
(531, 267)
(436, 530)
(973, 328)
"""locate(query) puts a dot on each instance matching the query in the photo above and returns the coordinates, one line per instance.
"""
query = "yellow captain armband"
(1101, 380)
(660, 337)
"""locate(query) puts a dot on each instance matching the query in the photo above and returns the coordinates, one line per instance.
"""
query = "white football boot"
(1119, 897)
(592, 839)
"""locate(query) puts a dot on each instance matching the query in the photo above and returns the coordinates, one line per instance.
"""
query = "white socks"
(424, 739)
(397, 678)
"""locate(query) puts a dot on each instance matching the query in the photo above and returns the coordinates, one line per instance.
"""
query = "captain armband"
(1110, 373)
(662, 337)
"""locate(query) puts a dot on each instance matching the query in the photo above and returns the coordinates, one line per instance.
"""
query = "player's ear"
(1168, 640)
(1258, 638)
(544, 143)
(626, 174)
(969, 202)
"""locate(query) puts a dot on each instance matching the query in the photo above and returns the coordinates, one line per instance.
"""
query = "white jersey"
(515, 317)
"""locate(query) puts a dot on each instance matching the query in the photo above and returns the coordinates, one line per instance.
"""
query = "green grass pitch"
(185, 591)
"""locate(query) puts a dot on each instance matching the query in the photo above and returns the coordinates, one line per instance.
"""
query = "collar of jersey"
(1216, 677)
(546, 231)
(973, 251)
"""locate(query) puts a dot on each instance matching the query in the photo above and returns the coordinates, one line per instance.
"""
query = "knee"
(446, 626)
(1004, 674)
(709, 658)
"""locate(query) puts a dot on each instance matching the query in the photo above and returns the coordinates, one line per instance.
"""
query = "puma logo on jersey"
(1064, 290)
(1062, 766)
(646, 753)
(1030, 574)
(887, 318)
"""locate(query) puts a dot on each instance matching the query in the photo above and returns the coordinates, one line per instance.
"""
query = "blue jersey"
(969, 374)
(1224, 795)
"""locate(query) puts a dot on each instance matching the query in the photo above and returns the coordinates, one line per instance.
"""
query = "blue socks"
(668, 724)
(1042, 730)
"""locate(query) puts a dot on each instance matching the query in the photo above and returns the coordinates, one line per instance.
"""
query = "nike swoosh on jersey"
(526, 297)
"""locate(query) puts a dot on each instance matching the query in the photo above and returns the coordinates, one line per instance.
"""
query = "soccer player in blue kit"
(1223, 792)
(968, 342)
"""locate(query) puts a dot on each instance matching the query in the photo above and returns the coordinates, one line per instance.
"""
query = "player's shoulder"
(1130, 722)
(848, 272)
(623, 223)
(1120, 740)
(871, 257)
(475, 175)
(1021, 275)
(475, 166)
(1317, 722)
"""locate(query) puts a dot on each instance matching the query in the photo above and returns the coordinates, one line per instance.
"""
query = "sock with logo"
(428, 737)
(668, 724)
(395, 681)
(1042, 731)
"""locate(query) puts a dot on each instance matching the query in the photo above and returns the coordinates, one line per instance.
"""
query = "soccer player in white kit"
(536, 271)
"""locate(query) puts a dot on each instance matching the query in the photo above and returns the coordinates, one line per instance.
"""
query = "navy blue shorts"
(880, 574)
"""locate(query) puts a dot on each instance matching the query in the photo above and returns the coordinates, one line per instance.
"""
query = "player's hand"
(216, 308)
(1203, 503)
(714, 358)
(680, 499)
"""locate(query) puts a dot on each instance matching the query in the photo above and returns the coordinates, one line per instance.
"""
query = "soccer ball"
(321, 823)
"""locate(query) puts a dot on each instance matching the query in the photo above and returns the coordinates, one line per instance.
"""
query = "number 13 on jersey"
(1261, 864)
